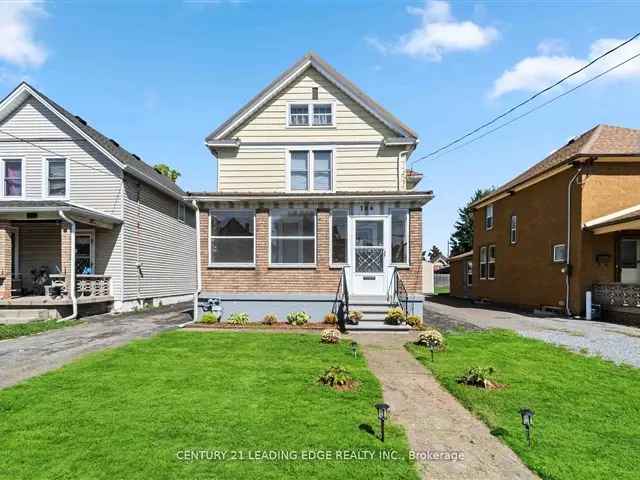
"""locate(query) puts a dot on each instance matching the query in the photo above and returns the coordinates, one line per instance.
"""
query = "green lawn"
(441, 290)
(22, 329)
(587, 411)
(128, 413)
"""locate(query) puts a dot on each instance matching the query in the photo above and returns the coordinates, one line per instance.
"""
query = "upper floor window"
(310, 114)
(12, 171)
(488, 217)
(231, 237)
(56, 177)
(182, 211)
(513, 230)
(303, 162)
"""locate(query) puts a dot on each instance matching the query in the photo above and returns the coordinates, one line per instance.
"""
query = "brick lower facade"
(5, 261)
(319, 279)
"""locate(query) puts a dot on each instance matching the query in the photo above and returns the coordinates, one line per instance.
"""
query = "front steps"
(374, 309)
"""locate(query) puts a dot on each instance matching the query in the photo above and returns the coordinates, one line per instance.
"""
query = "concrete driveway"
(26, 357)
(618, 343)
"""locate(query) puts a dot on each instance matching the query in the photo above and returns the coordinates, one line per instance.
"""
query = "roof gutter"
(307, 198)
(145, 178)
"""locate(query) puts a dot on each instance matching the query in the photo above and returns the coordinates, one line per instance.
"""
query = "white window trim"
(513, 230)
(92, 245)
(211, 237)
(553, 255)
(182, 207)
(331, 262)
(483, 250)
(45, 179)
(23, 189)
(311, 161)
(300, 237)
(311, 104)
(486, 217)
(406, 264)
(489, 262)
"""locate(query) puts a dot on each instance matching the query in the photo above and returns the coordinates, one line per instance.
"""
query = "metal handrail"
(399, 295)
(341, 302)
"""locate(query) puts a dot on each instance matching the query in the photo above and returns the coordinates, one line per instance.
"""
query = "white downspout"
(403, 153)
(198, 267)
(72, 270)
(568, 268)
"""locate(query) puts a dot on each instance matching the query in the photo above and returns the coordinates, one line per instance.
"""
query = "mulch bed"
(261, 326)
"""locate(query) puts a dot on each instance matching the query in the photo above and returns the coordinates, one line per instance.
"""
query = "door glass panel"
(369, 233)
(369, 260)
(628, 254)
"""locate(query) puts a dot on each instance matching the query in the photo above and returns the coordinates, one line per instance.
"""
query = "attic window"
(310, 115)
(314, 93)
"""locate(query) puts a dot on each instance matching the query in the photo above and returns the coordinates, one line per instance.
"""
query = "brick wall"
(5, 261)
(65, 247)
(320, 279)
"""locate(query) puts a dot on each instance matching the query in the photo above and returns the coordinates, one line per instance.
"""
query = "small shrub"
(336, 376)
(331, 318)
(431, 339)
(297, 318)
(330, 335)
(355, 316)
(239, 318)
(270, 319)
(478, 377)
(395, 316)
(414, 321)
(209, 317)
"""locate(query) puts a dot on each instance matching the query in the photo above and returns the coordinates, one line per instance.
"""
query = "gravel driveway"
(618, 343)
(26, 357)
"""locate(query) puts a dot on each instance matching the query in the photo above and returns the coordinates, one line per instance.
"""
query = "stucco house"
(568, 225)
(84, 224)
(315, 205)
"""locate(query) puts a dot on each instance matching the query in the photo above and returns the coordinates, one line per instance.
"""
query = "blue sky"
(159, 76)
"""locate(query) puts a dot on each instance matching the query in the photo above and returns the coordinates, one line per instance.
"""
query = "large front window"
(399, 236)
(13, 178)
(293, 237)
(311, 170)
(56, 177)
(231, 237)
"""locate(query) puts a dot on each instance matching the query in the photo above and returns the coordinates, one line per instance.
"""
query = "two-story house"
(567, 226)
(84, 224)
(314, 202)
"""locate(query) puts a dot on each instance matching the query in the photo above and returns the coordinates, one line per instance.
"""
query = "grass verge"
(21, 329)
(134, 411)
(587, 410)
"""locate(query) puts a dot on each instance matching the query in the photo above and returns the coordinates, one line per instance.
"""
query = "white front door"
(370, 251)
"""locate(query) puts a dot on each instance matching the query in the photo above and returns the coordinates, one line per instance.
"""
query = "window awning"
(48, 210)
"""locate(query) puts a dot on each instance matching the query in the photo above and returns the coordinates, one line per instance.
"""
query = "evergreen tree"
(461, 240)
(434, 253)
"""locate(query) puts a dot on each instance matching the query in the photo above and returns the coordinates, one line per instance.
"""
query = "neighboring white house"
(60, 178)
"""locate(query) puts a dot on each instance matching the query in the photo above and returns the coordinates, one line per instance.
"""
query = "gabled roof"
(124, 159)
(311, 59)
(601, 140)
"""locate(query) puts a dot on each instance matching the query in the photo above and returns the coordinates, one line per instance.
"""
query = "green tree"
(434, 253)
(164, 169)
(461, 240)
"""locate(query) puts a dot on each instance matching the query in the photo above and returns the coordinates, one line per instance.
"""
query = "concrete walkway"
(618, 343)
(434, 420)
(26, 357)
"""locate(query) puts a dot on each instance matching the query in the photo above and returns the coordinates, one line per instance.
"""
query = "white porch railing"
(93, 285)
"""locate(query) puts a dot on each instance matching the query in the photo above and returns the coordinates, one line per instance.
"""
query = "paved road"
(26, 357)
(434, 420)
(618, 343)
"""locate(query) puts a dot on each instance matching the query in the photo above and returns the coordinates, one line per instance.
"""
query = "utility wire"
(524, 102)
(538, 107)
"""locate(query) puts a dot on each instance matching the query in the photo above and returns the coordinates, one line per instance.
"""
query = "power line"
(538, 107)
(524, 102)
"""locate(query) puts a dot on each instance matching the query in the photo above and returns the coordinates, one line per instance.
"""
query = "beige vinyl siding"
(352, 122)
(164, 247)
(366, 168)
(255, 169)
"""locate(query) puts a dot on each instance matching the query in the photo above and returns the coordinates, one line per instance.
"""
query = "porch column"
(322, 237)
(6, 253)
(262, 240)
(65, 249)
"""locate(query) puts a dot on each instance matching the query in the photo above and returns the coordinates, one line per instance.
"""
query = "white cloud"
(438, 33)
(17, 43)
(535, 73)
(552, 46)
